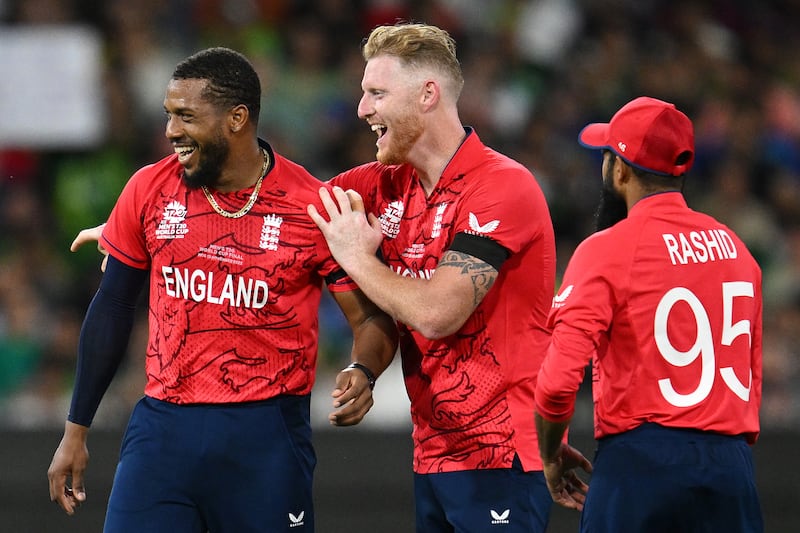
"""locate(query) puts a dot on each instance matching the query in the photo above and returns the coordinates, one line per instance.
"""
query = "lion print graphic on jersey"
(468, 403)
(216, 299)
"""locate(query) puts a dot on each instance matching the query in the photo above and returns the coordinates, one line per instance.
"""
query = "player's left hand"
(566, 487)
(352, 398)
(91, 235)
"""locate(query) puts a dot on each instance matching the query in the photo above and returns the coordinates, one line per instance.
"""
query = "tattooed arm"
(435, 307)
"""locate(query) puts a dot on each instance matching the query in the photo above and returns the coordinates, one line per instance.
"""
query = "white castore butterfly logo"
(295, 521)
(560, 298)
(500, 518)
(476, 227)
(622, 146)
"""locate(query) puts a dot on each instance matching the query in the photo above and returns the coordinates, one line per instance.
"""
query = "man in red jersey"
(467, 237)
(221, 440)
(666, 303)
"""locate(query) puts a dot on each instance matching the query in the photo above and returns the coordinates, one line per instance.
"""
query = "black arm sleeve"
(481, 247)
(104, 337)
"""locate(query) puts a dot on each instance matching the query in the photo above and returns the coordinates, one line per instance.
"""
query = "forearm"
(435, 304)
(550, 435)
(562, 372)
(375, 343)
(104, 339)
(375, 334)
(395, 294)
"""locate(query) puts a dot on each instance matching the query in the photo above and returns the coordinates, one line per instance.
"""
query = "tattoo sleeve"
(483, 274)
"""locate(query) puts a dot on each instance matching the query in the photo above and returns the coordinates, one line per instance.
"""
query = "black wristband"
(367, 372)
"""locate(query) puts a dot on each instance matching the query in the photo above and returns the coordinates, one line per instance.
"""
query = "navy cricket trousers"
(662, 480)
(232, 468)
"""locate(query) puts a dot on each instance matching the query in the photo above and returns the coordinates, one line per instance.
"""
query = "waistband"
(653, 431)
(283, 399)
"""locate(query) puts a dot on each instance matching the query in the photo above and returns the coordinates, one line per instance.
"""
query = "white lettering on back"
(699, 247)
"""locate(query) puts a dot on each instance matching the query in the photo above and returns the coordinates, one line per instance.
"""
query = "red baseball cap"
(647, 133)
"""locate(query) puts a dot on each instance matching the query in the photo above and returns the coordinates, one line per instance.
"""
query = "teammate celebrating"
(467, 236)
(221, 440)
(666, 303)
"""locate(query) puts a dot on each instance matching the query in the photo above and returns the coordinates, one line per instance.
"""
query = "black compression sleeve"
(104, 337)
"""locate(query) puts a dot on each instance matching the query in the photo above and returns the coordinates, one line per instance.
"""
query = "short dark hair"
(652, 182)
(232, 80)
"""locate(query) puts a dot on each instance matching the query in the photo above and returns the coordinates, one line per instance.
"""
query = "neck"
(437, 149)
(243, 170)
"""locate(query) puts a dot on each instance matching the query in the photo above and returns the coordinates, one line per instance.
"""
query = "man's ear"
(622, 172)
(237, 117)
(430, 94)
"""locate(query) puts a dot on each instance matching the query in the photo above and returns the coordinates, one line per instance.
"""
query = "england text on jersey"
(700, 246)
(407, 272)
(199, 286)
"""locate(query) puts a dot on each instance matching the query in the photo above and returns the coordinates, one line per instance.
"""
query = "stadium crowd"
(536, 71)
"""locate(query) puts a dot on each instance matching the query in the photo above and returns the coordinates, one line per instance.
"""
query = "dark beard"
(612, 208)
(212, 160)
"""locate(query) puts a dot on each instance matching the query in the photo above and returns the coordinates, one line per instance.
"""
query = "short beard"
(213, 157)
(406, 133)
(611, 209)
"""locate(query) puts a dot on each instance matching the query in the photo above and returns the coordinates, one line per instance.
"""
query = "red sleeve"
(506, 206)
(580, 317)
(562, 373)
(123, 235)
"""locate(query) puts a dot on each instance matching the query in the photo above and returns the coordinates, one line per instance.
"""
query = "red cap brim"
(595, 135)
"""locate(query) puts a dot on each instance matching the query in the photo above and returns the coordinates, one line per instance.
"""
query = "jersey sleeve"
(123, 235)
(580, 314)
(336, 279)
(364, 180)
(506, 206)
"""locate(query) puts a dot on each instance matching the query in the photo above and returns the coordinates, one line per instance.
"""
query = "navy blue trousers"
(502, 500)
(660, 480)
(235, 468)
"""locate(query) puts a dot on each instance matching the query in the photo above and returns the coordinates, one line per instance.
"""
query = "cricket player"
(666, 304)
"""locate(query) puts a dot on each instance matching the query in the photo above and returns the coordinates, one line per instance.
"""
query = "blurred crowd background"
(536, 72)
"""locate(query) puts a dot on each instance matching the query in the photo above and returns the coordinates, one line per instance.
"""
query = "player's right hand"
(566, 487)
(91, 235)
(352, 397)
(68, 464)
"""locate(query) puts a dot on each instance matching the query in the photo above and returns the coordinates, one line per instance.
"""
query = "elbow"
(438, 325)
(432, 333)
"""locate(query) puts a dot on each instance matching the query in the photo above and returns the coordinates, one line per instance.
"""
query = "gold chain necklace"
(253, 197)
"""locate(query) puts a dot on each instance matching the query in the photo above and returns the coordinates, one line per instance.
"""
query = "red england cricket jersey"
(472, 392)
(233, 302)
(667, 304)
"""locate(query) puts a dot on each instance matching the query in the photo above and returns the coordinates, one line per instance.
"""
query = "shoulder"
(610, 245)
(156, 176)
(295, 180)
(366, 173)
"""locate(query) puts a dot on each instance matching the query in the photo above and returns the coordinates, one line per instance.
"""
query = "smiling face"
(390, 105)
(195, 129)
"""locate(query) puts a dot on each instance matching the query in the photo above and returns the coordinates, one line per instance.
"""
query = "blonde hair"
(417, 45)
